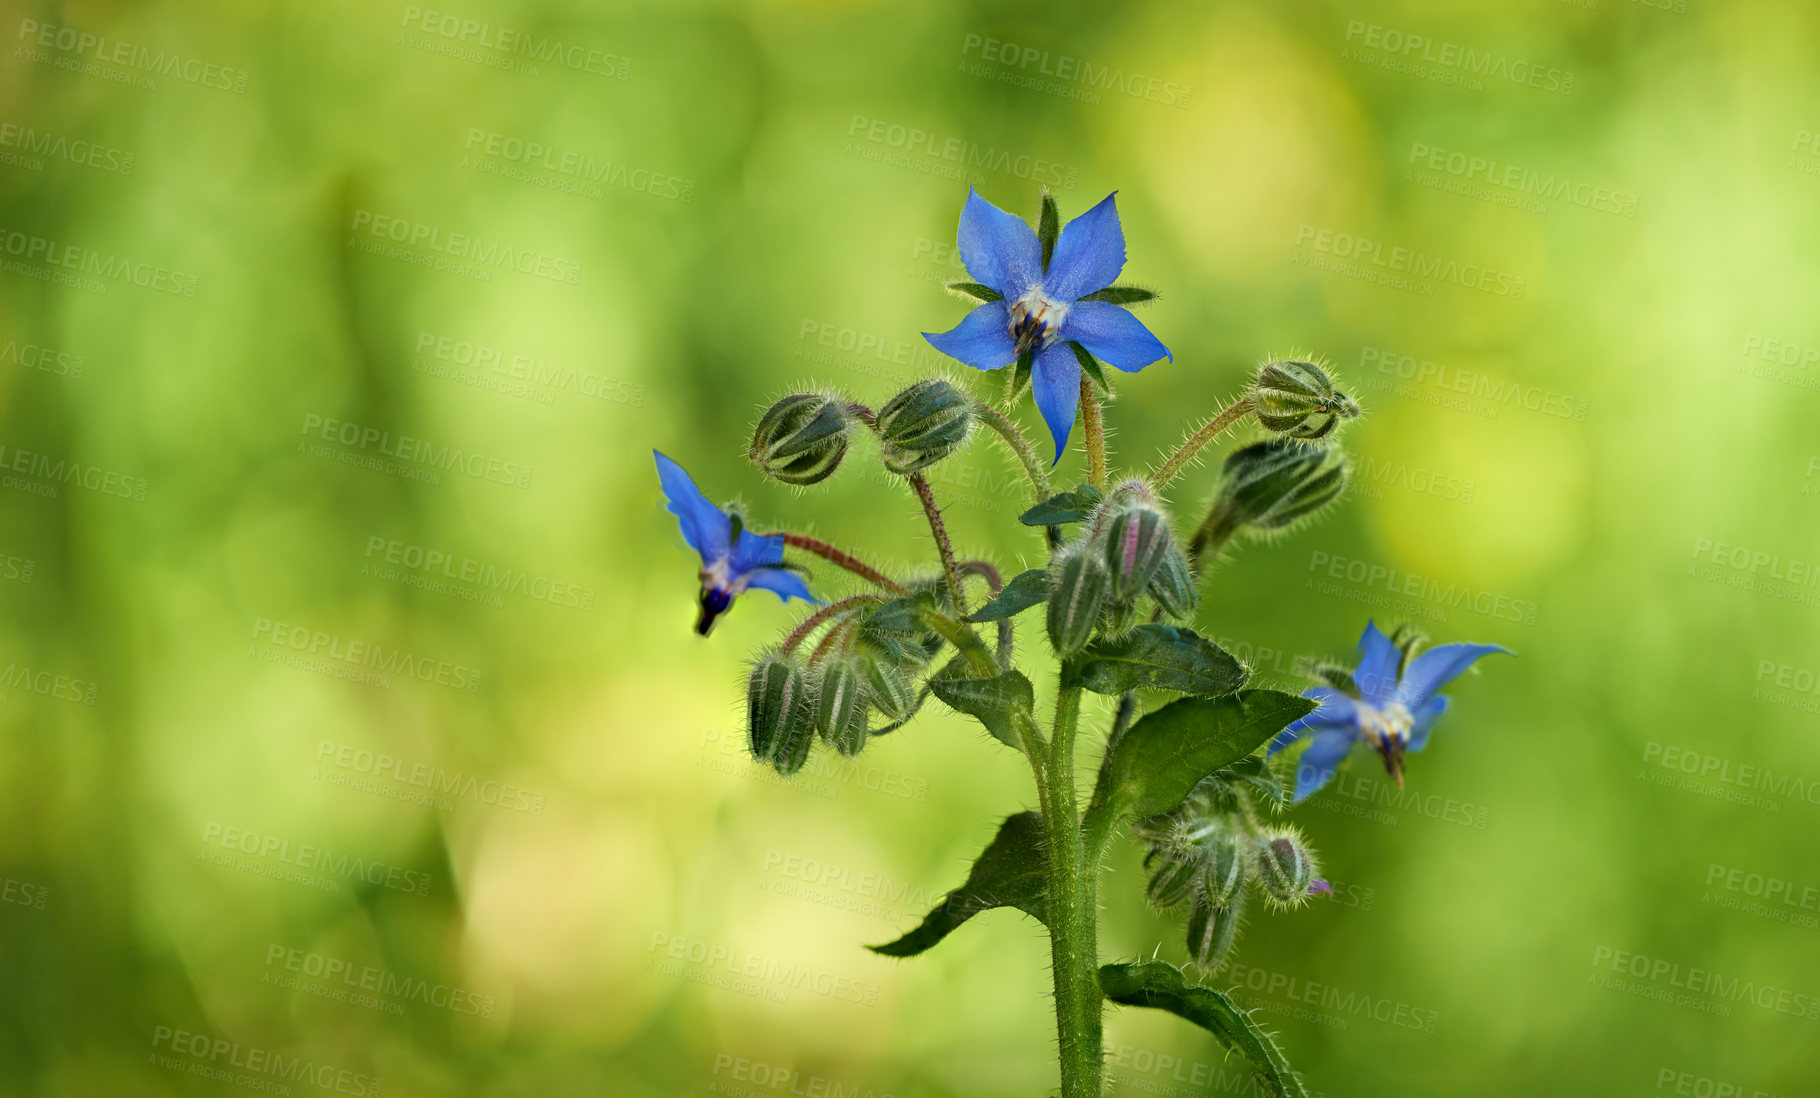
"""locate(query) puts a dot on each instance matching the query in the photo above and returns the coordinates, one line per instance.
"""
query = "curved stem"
(833, 609)
(1072, 907)
(995, 584)
(942, 544)
(1095, 433)
(846, 560)
(1020, 447)
(1207, 433)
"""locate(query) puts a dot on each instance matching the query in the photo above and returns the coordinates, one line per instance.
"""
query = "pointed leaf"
(1168, 656)
(1025, 590)
(1122, 295)
(1158, 762)
(1020, 377)
(1002, 702)
(976, 291)
(1091, 365)
(1160, 985)
(1010, 872)
(1048, 227)
(1075, 506)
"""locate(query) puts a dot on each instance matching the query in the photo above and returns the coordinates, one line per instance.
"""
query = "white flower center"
(1382, 726)
(1036, 319)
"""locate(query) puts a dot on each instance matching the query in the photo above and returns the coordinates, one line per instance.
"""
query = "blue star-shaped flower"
(1391, 713)
(732, 557)
(1041, 310)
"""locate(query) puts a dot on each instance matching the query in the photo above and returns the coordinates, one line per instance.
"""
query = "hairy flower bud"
(1173, 586)
(1225, 871)
(840, 706)
(1136, 540)
(1298, 399)
(1076, 595)
(922, 425)
(1174, 872)
(780, 714)
(889, 689)
(802, 438)
(1285, 867)
(1211, 931)
(1268, 486)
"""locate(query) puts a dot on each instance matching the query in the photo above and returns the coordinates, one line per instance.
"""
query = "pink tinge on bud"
(1320, 888)
(1128, 549)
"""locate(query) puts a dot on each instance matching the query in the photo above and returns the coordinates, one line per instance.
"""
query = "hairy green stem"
(942, 545)
(1207, 433)
(1073, 910)
(965, 641)
(833, 609)
(1020, 447)
(846, 560)
(995, 584)
(1094, 433)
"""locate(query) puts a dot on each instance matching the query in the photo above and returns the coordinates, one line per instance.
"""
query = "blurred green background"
(352, 735)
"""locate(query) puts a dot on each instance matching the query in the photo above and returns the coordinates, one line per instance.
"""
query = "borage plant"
(1188, 775)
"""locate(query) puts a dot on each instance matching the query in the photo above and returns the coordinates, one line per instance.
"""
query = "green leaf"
(1167, 656)
(1160, 759)
(1075, 506)
(976, 291)
(1010, 872)
(1160, 985)
(1002, 702)
(1091, 365)
(1122, 295)
(1025, 590)
(1048, 227)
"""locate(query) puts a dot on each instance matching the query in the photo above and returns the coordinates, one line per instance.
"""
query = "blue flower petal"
(1437, 667)
(1056, 381)
(784, 583)
(704, 526)
(1000, 250)
(1113, 335)
(1318, 764)
(982, 339)
(1376, 676)
(1090, 254)
(754, 551)
(1425, 719)
(1336, 710)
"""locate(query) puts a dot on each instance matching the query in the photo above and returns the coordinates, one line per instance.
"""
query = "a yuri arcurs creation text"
(1195, 766)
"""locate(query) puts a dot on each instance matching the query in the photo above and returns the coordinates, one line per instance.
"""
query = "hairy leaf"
(1075, 506)
(1048, 227)
(1025, 590)
(1091, 365)
(976, 291)
(1002, 702)
(1122, 295)
(1160, 985)
(1158, 762)
(1167, 656)
(1010, 872)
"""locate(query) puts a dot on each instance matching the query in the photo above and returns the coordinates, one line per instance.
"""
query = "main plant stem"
(1073, 911)
(1095, 433)
(1208, 432)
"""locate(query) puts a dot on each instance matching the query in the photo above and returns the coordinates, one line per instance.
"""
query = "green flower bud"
(802, 438)
(1225, 871)
(1285, 867)
(780, 715)
(1173, 586)
(1174, 872)
(889, 689)
(922, 425)
(1076, 595)
(1212, 930)
(1297, 399)
(840, 706)
(1269, 486)
(1136, 540)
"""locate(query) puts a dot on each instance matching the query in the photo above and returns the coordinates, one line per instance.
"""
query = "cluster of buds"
(1127, 552)
(1213, 851)
(803, 438)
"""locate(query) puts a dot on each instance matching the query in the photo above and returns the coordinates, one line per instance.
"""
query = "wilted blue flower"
(1041, 310)
(732, 557)
(1390, 713)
